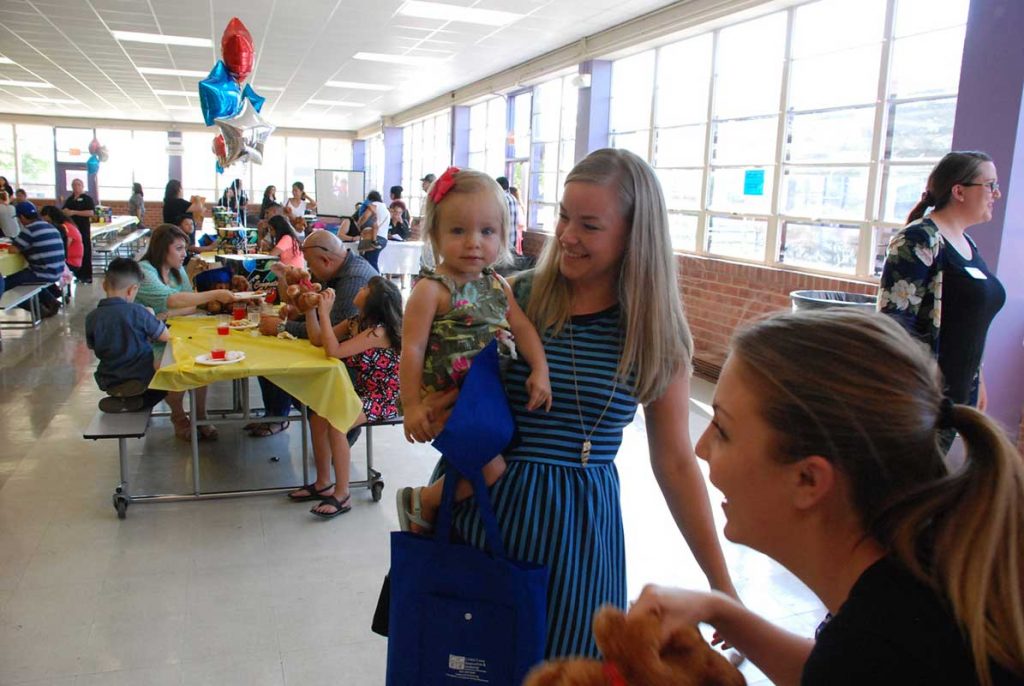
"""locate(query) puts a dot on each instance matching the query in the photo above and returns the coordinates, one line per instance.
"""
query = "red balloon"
(237, 49)
(94, 147)
(218, 146)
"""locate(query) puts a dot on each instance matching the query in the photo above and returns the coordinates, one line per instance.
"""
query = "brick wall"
(154, 209)
(719, 295)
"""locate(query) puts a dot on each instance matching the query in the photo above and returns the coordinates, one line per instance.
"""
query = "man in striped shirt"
(41, 245)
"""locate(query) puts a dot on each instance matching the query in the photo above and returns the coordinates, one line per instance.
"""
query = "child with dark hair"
(121, 333)
(371, 347)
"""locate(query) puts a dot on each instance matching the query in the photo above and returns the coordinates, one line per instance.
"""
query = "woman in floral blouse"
(934, 281)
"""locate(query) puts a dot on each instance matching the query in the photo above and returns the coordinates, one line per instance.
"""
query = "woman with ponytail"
(935, 282)
(825, 444)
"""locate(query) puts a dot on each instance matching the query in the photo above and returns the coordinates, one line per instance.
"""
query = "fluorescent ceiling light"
(6, 60)
(56, 101)
(157, 71)
(335, 103)
(269, 88)
(188, 94)
(26, 84)
(162, 39)
(445, 12)
(397, 59)
(360, 86)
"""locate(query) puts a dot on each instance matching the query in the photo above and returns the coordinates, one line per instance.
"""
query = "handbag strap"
(443, 525)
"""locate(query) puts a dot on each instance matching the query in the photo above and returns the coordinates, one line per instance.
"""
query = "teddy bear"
(634, 656)
(300, 293)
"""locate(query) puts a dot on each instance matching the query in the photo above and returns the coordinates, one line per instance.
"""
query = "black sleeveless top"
(969, 304)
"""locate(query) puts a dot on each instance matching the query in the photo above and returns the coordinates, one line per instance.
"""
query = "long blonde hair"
(856, 389)
(657, 342)
(466, 181)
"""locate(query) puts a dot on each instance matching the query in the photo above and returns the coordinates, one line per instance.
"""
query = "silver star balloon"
(244, 135)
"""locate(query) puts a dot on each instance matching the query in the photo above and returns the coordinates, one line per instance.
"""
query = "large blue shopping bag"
(459, 614)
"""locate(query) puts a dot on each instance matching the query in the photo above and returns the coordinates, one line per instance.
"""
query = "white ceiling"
(300, 45)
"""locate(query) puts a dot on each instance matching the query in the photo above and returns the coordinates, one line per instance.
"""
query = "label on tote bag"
(467, 640)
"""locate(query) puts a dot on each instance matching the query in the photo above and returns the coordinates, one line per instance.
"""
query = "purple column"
(989, 117)
(359, 155)
(460, 136)
(594, 107)
(392, 158)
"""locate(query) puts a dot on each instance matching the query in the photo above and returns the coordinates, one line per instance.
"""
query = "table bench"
(120, 426)
(373, 480)
(18, 295)
(125, 246)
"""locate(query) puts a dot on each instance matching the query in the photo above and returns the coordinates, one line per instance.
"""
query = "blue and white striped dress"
(552, 508)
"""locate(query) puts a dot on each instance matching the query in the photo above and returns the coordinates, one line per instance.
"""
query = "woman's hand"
(538, 385)
(678, 607)
(222, 296)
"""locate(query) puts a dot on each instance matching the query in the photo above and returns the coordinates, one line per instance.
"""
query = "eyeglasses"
(993, 186)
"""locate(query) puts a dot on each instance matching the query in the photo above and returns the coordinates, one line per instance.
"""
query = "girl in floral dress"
(454, 311)
(371, 349)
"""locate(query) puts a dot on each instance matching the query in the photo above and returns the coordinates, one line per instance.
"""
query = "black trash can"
(820, 300)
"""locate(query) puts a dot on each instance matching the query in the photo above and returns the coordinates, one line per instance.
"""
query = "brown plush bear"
(634, 656)
(300, 292)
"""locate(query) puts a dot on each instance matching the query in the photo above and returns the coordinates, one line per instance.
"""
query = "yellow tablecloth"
(11, 262)
(299, 368)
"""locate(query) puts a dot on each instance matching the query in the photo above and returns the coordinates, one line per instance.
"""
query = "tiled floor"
(248, 590)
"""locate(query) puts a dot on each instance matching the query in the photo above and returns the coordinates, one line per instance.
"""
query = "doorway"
(68, 172)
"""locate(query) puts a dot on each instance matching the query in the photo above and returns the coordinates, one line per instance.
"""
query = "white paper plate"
(230, 357)
(242, 324)
(248, 295)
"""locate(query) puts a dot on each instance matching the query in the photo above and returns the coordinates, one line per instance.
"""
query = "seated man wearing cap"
(41, 245)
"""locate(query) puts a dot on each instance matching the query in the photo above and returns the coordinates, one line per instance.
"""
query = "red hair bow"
(443, 184)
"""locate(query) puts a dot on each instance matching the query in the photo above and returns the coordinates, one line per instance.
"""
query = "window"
(7, 154)
(375, 163)
(199, 168)
(426, 149)
(151, 163)
(271, 171)
(116, 175)
(802, 137)
(335, 153)
(554, 149)
(488, 128)
(35, 160)
(73, 145)
(303, 155)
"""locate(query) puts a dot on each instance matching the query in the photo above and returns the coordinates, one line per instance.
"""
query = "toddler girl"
(371, 349)
(454, 311)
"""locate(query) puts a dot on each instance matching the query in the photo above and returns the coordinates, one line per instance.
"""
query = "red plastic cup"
(223, 329)
(218, 354)
(239, 312)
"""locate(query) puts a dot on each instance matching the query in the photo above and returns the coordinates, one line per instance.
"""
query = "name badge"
(975, 273)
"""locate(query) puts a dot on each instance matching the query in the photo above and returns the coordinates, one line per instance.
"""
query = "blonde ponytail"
(973, 522)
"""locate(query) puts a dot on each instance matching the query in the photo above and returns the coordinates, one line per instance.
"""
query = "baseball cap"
(26, 209)
(429, 177)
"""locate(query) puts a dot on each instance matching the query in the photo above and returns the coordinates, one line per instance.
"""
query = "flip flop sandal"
(208, 433)
(406, 518)
(267, 429)
(311, 493)
(340, 507)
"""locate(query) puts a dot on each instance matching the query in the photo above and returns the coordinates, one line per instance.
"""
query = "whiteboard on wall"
(338, 191)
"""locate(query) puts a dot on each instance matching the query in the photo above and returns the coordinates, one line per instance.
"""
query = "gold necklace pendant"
(585, 452)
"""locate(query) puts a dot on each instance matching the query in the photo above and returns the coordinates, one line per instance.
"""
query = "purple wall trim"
(989, 117)
(359, 155)
(594, 108)
(392, 158)
(460, 136)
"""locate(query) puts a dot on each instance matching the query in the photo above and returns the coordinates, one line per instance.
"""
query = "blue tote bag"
(459, 614)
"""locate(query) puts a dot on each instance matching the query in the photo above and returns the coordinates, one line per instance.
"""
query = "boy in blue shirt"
(121, 332)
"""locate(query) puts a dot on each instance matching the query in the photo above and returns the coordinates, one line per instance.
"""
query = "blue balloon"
(220, 169)
(255, 98)
(93, 165)
(219, 95)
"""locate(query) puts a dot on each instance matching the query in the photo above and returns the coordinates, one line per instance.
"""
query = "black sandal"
(311, 493)
(340, 506)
